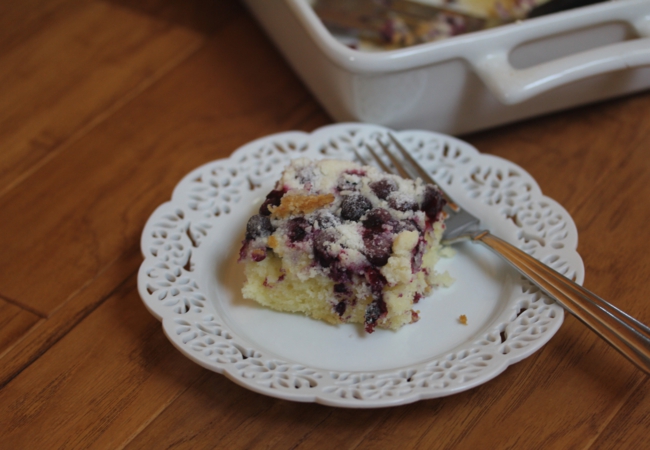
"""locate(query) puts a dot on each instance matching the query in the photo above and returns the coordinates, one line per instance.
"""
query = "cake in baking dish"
(345, 243)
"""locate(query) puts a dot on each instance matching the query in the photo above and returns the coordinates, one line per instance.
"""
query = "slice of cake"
(341, 242)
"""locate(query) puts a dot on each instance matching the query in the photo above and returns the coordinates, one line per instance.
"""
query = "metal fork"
(622, 331)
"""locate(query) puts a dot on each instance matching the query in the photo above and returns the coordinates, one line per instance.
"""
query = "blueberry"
(297, 229)
(326, 220)
(383, 188)
(322, 241)
(405, 225)
(272, 199)
(259, 254)
(376, 281)
(340, 274)
(374, 312)
(305, 175)
(377, 218)
(354, 206)
(433, 202)
(340, 308)
(402, 203)
(258, 226)
(341, 288)
(378, 248)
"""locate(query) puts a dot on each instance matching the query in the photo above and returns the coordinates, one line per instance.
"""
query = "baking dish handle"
(512, 86)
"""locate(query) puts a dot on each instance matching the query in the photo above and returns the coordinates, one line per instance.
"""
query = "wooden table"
(105, 105)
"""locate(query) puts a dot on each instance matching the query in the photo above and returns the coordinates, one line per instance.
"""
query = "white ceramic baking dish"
(473, 81)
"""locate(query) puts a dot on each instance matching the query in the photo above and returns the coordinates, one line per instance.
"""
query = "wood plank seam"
(19, 340)
(91, 280)
(21, 306)
(56, 337)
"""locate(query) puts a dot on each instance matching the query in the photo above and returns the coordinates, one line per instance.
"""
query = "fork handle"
(623, 332)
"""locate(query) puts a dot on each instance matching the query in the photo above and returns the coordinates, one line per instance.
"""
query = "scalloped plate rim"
(329, 400)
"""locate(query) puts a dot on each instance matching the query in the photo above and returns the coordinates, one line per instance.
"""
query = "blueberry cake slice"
(341, 242)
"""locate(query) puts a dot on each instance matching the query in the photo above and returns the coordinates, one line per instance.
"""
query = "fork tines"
(412, 169)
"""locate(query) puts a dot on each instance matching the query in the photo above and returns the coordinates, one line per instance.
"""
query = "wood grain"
(215, 413)
(203, 16)
(74, 71)
(19, 21)
(570, 153)
(107, 104)
(481, 418)
(99, 385)
(630, 427)
(612, 224)
(37, 341)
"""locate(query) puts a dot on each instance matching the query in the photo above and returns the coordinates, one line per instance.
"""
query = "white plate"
(190, 280)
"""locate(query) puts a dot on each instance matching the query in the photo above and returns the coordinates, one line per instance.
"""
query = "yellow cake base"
(285, 286)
